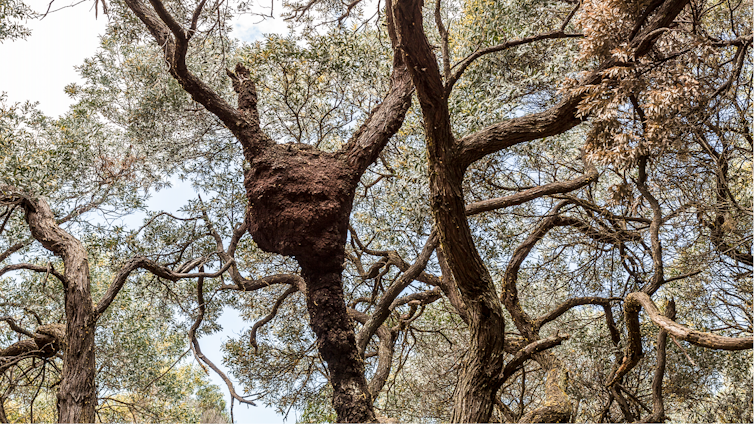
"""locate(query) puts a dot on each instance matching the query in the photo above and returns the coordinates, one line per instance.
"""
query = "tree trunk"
(300, 203)
(77, 396)
(336, 340)
(481, 376)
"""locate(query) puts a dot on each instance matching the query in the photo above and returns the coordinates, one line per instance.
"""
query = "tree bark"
(329, 320)
(77, 395)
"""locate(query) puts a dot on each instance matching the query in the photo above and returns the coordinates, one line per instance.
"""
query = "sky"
(38, 68)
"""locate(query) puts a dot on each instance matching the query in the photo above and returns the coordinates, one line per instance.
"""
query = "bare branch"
(463, 64)
(658, 405)
(15, 327)
(260, 283)
(31, 267)
(385, 351)
(387, 117)
(198, 351)
(658, 276)
(699, 338)
(384, 307)
(533, 193)
(257, 325)
(141, 262)
(571, 303)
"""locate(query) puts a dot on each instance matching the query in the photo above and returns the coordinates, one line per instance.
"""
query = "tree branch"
(257, 325)
(463, 64)
(387, 117)
(699, 338)
(525, 353)
(385, 306)
(198, 351)
(571, 303)
(141, 262)
(533, 193)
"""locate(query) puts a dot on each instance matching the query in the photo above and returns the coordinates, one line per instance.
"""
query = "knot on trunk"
(46, 341)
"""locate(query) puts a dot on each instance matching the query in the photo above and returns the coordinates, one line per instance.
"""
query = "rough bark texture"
(448, 160)
(300, 198)
(336, 341)
(481, 372)
(77, 395)
(634, 303)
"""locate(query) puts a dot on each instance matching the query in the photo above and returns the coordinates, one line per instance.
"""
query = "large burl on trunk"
(300, 198)
(300, 202)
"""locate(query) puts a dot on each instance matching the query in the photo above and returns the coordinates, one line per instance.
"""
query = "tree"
(60, 161)
(561, 187)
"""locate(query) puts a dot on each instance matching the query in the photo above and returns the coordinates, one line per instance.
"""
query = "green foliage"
(12, 14)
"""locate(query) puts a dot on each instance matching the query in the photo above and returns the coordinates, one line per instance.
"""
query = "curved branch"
(526, 353)
(15, 327)
(257, 325)
(154, 268)
(556, 187)
(561, 117)
(36, 268)
(387, 117)
(658, 275)
(45, 342)
(423, 297)
(634, 353)
(385, 351)
(658, 404)
(198, 351)
(509, 295)
(173, 39)
(571, 303)
(260, 283)
(463, 64)
(699, 338)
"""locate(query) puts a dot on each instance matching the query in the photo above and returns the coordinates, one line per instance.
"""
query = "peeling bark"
(557, 407)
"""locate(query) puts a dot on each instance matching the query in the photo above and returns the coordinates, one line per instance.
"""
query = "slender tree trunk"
(77, 396)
